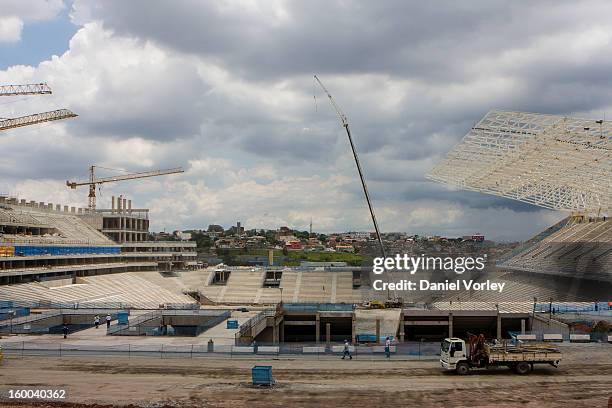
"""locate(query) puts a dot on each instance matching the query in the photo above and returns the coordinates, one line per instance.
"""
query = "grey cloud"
(412, 77)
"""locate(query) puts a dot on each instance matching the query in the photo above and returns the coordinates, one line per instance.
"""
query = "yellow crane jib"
(36, 118)
(93, 180)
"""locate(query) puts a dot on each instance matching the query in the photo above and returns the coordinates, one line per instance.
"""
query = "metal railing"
(404, 351)
(88, 305)
(246, 327)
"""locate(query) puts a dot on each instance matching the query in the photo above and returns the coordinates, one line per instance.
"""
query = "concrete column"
(353, 334)
(377, 331)
(327, 334)
(318, 328)
(275, 333)
(402, 327)
(450, 325)
(499, 329)
(113, 203)
(282, 331)
(522, 326)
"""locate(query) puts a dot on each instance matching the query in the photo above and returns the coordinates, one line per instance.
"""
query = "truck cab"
(452, 352)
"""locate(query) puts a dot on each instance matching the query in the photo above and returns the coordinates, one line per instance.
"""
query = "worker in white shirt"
(388, 347)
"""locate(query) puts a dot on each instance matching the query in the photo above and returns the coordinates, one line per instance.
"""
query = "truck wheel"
(522, 368)
(462, 368)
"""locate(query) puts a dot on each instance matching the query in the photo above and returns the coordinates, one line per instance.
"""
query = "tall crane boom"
(27, 89)
(36, 118)
(345, 124)
(93, 180)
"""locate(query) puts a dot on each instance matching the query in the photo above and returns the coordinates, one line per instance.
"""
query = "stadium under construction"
(63, 265)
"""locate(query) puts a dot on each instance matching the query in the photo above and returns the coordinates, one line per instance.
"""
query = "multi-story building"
(41, 242)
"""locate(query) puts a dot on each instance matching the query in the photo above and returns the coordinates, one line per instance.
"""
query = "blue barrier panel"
(28, 250)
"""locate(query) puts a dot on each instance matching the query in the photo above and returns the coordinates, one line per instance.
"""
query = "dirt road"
(583, 380)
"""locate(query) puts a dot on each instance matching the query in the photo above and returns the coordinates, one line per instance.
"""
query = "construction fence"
(404, 351)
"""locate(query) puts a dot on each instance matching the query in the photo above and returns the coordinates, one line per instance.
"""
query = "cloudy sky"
(225, 89)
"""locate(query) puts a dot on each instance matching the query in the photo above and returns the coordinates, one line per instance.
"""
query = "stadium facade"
(46, 245)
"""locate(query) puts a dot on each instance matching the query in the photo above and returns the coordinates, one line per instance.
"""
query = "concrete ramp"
(220, 334)
(365, 321)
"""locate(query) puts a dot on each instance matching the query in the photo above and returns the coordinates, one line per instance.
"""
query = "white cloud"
(16, 13)
(10, 29)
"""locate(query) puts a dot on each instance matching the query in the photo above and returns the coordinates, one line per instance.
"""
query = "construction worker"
(388, 347)
(97, 321)
(347, 350)
(108, 320)
(65, 331)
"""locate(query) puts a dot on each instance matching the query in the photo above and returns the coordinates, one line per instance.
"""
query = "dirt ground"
(584, 379)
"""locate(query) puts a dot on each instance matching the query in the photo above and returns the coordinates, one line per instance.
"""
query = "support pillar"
(353, 334)
(450, 325)
(275, 333)
(522, 326)
(402, 327)
(377, 331)
(282, 331)
(327, 334)
(499, 329)
(318, 329)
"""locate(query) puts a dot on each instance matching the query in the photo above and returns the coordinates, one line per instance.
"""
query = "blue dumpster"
(122, 317)
(262, 375)
(232, 324)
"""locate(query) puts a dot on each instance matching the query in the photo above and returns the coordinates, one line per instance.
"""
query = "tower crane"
(31, 89)
(93, 180)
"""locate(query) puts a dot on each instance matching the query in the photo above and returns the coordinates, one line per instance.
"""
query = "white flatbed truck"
(456, 356)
